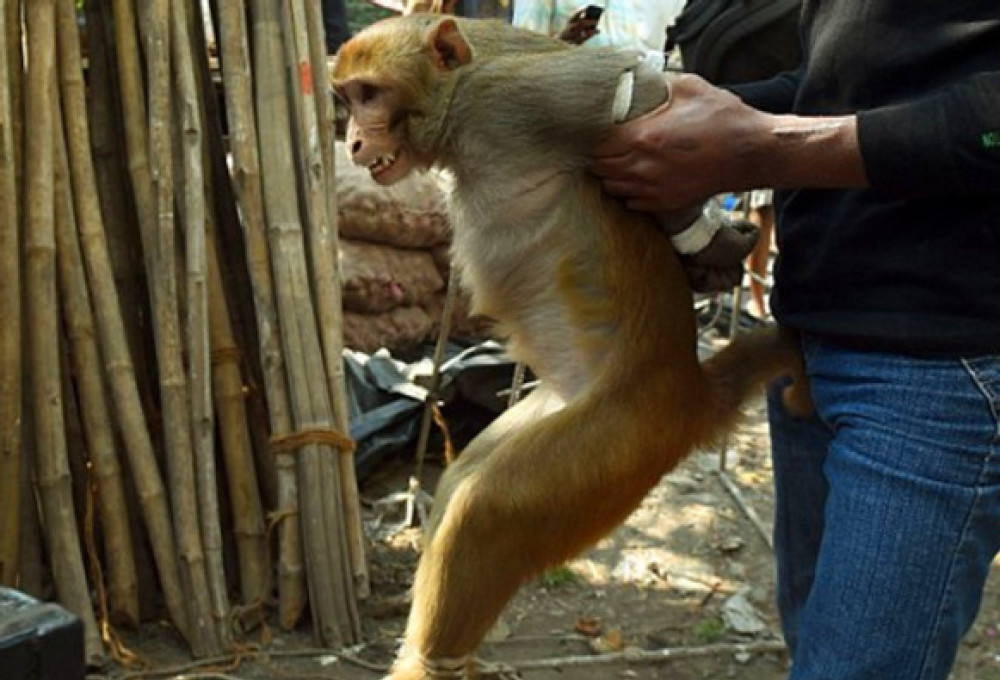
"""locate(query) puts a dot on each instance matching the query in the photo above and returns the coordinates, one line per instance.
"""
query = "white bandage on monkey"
(590, 295)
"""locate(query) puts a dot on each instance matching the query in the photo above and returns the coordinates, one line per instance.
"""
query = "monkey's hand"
(579, 29)
(713, 247)
(719, 266)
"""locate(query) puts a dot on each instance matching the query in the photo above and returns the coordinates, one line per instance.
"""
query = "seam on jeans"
(991, 399)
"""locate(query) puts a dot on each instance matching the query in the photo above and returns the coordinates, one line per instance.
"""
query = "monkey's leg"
(543, 494)
(532, 408)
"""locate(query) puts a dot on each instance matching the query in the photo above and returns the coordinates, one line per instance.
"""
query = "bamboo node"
(292, 442)
(225, 355)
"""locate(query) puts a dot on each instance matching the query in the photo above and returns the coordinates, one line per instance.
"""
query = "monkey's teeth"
(382, 162)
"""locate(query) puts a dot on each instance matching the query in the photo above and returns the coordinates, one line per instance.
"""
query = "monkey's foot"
(417, 668)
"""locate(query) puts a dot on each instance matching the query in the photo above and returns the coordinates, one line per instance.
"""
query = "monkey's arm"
(563, 100)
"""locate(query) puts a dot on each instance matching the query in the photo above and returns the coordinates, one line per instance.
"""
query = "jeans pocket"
(985, 372)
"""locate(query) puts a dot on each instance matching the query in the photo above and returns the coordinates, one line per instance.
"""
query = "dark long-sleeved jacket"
(913, 263)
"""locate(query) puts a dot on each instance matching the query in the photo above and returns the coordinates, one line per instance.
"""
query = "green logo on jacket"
(991, 140)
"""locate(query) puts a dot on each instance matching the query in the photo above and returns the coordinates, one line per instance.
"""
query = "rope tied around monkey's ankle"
(444, 667)
(323, 436)
(458, 668)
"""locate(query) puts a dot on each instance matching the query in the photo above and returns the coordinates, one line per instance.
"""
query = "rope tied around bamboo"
(322, 436)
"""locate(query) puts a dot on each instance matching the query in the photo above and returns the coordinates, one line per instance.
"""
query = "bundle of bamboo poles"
(171, 381)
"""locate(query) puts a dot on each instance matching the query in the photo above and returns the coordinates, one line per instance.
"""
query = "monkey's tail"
(751, 360)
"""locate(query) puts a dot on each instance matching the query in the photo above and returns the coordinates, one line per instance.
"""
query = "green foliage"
(361, 13)
(710, 629)
(559, 577)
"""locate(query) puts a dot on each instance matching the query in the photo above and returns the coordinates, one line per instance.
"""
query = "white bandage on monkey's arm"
(696, 236)
(642, 87)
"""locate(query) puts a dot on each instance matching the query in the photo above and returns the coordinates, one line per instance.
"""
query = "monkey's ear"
(448, 46)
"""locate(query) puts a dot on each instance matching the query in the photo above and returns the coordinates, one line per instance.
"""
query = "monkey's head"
(390, 75)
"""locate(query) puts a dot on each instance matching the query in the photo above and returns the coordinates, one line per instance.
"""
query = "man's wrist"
(809, 152)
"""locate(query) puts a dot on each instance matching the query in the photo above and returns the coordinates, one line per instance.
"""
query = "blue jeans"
(887, 511)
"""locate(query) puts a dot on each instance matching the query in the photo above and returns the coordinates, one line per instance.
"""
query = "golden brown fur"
(593, 298)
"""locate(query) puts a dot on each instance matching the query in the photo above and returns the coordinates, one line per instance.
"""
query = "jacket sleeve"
(946, 142)
(775, 95)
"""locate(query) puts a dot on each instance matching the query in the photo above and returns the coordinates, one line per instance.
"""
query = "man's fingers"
(647, 205)
(625, 188)
(617, 144)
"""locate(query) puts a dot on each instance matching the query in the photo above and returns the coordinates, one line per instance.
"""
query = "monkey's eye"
(368, 92)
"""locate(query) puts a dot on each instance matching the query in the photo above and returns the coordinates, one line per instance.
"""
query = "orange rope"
(290, 443)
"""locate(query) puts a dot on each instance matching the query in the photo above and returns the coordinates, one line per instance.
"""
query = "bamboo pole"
(52, 465)
(230, 238)
(325, 279)
(10, 312)
(117, 203)
(86, 362)
(189, 108)
(133, 100)
(76, 447)
(15, 74)
(248, 514)
(325, 114)
(227, 378)
(238, 89)
(31, 569)
(114, 349)
(123, 589)
(173, 381)
(248, 180)
(32, 572)
(310, 401)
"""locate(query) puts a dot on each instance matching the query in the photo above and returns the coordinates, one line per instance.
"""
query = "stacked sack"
(394, 261)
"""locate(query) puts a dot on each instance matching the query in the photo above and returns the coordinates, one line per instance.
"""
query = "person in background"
(335, 24)
(761, 204)
(885, 148)
(635, 24)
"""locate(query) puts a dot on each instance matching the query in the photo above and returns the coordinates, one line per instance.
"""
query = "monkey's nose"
(356, 147)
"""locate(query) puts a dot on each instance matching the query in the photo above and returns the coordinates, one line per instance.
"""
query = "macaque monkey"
(592, 297)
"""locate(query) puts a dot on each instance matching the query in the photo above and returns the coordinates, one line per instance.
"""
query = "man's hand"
(579, 29)
(694, 146)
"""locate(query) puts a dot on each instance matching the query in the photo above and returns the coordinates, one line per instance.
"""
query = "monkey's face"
(389, 76)
(375, 136)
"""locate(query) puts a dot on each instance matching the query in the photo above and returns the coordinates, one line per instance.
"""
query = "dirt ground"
(690, 573)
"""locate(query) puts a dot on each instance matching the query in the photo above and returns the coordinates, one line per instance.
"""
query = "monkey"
(592, 297)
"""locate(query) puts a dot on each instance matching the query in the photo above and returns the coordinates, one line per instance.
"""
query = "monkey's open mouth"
(383, 163)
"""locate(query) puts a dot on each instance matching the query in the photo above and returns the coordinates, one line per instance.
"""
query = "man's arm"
(947, 142)
(706, 140)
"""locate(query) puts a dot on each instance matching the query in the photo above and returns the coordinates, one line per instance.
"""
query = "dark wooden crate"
(38, 640)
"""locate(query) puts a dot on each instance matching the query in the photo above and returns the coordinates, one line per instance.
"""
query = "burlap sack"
(396, 330)
(378, 278)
